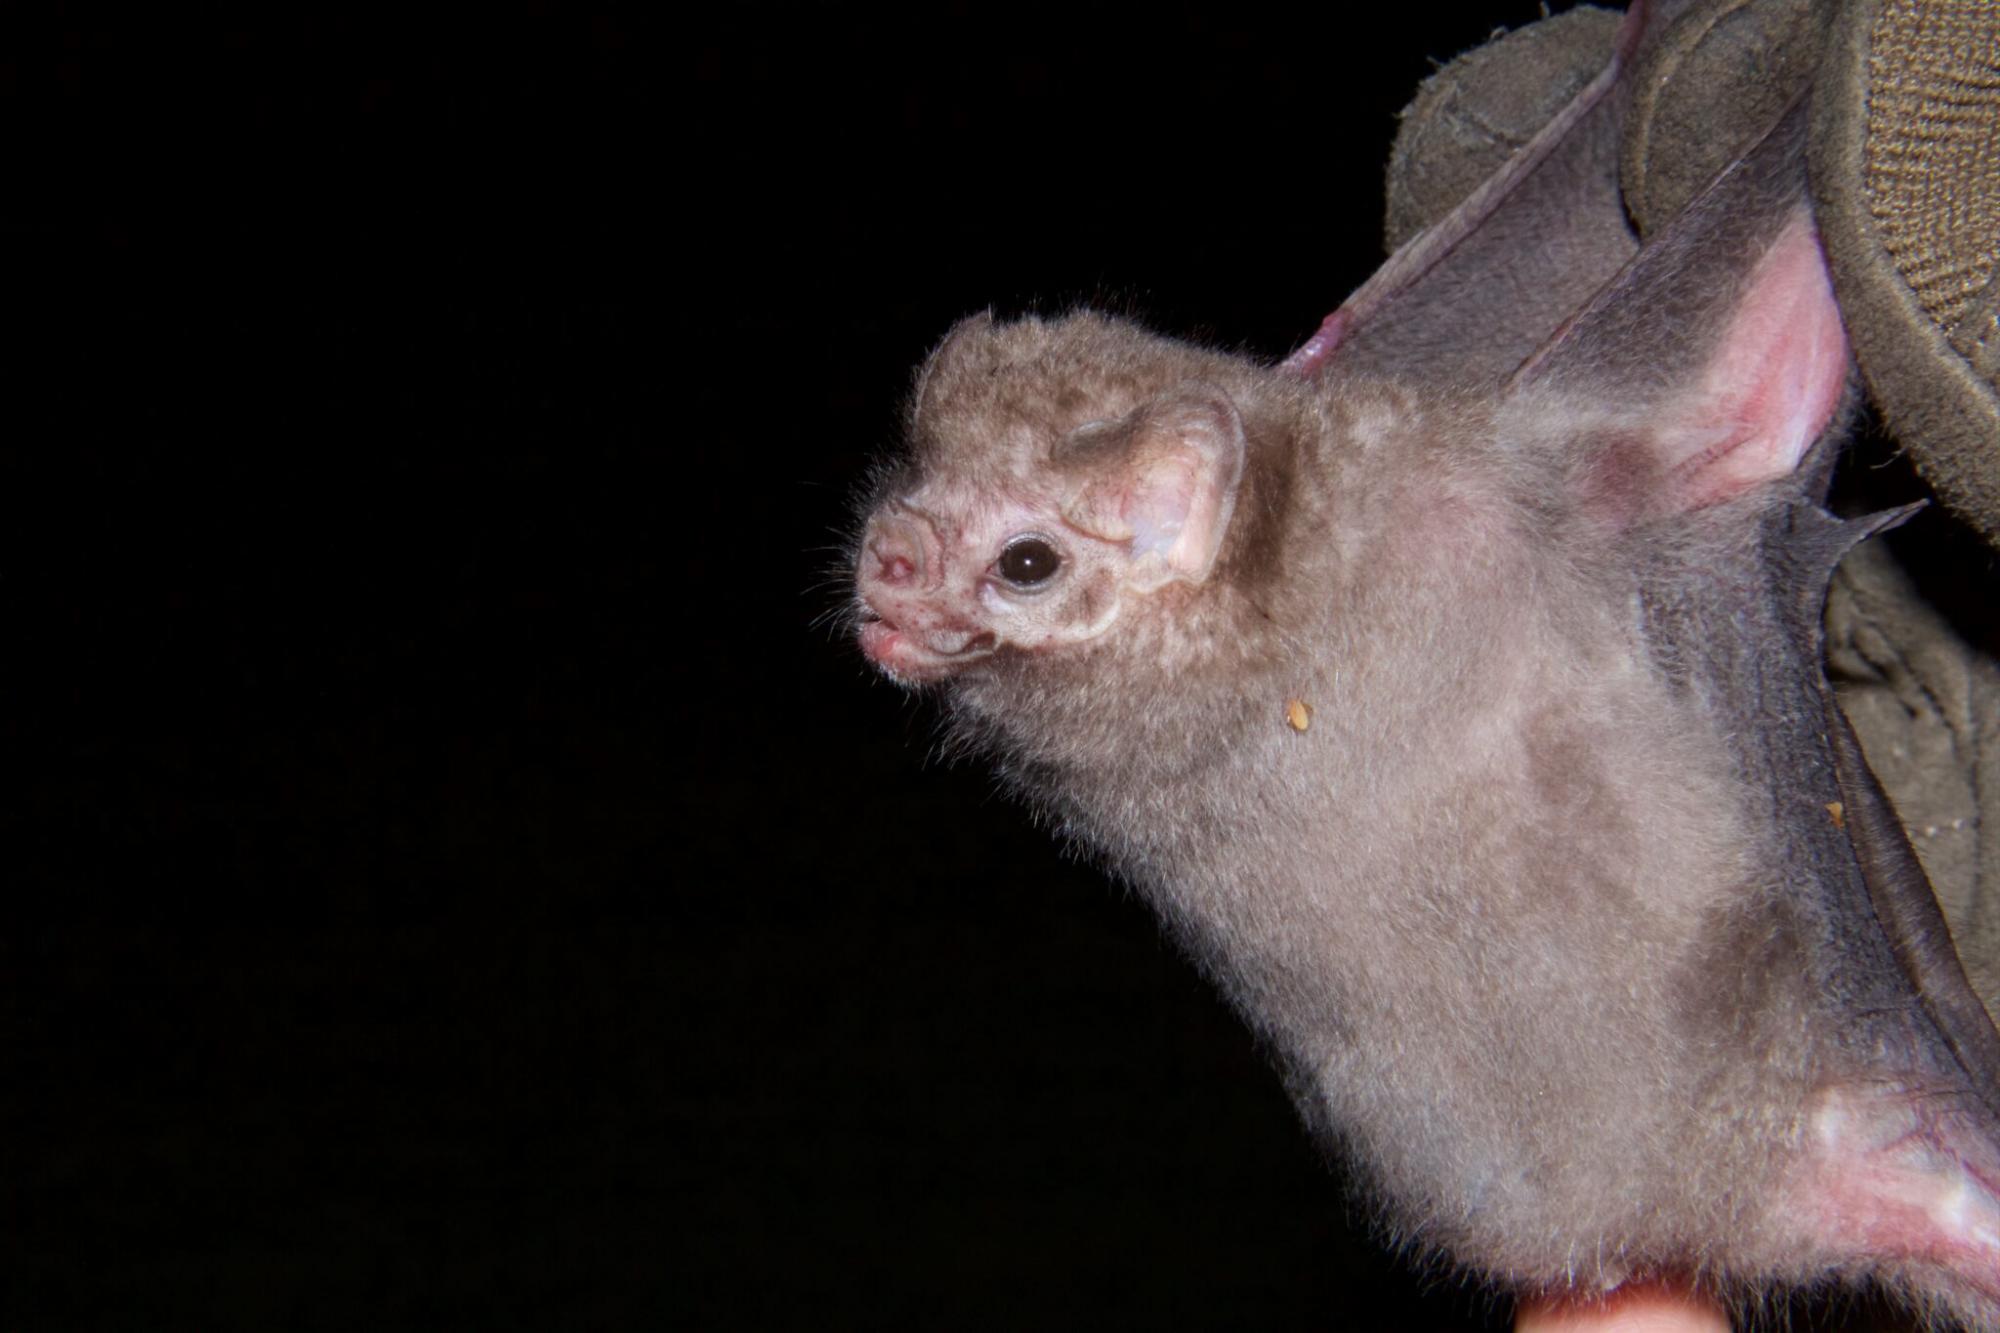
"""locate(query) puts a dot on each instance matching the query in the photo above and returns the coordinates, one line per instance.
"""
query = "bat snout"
(914, 641)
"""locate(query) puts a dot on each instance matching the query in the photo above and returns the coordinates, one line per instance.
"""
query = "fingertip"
(1640, 1307)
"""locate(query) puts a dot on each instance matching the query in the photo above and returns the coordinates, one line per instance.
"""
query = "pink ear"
(1770, 387)
(1172, 493)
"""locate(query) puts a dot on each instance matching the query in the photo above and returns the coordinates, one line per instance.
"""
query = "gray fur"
(1566, 912)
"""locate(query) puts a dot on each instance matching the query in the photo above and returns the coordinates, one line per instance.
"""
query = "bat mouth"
(908, 659)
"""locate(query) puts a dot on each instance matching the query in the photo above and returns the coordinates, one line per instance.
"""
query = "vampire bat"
(1463, 713)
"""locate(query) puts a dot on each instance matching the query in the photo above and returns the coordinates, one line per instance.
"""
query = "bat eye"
(1028, 562)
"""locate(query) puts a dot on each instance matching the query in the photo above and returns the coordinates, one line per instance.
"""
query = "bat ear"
(1770, 387)
(1171, 490)
(1721, 337)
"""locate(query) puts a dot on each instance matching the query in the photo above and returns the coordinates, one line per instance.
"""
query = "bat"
(1453, 690)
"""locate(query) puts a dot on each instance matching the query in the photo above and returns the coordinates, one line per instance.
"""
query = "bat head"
(1065, 474)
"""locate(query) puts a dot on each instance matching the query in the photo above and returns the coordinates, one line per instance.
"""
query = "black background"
(454, 881)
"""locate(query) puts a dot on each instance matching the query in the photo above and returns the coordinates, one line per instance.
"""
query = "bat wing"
(1472, 294)
(1538, 275)
(1723, 351)
(1707, 311)
(1908, 911)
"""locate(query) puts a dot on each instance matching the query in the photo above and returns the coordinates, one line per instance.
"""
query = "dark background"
(455, 879)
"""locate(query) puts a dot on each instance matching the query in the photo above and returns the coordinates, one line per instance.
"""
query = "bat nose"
(903, 550)
(895, 566)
